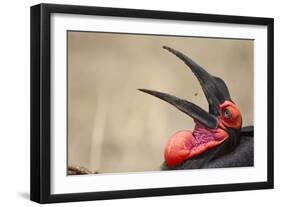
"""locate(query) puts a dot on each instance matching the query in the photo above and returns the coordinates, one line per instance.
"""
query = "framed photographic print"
(132, 103)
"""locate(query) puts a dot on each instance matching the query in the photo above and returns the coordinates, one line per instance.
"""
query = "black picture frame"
(40, 176)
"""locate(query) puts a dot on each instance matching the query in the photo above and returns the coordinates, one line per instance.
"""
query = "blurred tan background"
(113, 127)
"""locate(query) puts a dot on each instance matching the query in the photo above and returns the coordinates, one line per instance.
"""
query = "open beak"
(214, 89)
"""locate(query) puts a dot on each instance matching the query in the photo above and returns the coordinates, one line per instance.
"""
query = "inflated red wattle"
(184, 145)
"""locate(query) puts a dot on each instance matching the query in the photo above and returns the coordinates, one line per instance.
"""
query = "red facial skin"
(184, 145)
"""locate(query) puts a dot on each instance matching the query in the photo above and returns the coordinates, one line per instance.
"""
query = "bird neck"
(203, 134)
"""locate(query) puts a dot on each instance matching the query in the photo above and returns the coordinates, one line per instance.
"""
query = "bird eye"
(227, 114)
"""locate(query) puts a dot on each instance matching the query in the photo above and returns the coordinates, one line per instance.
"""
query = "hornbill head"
(217, 130)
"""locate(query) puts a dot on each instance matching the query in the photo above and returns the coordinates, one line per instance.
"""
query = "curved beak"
(187, 107)
(214, 88)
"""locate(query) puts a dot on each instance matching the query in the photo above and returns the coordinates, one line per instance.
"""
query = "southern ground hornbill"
(217, 139)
